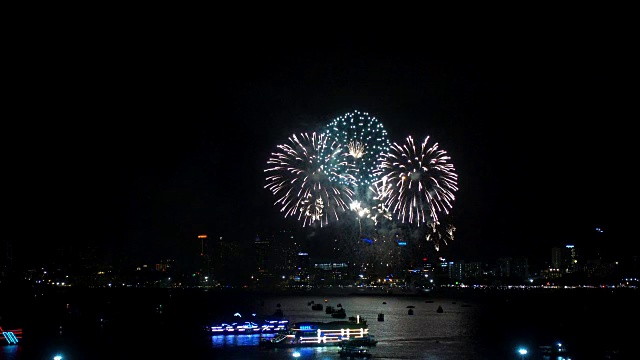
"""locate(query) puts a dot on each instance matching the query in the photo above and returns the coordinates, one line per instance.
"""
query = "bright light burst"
(365, 139)
(351, 165)
(417, 183)
(302, 179)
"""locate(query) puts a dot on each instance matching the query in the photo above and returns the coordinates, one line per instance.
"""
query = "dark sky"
(137, 141)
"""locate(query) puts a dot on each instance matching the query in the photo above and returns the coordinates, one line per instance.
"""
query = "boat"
(247, 327)
(313, 333)
(366, 340)
(354, 352)
(317, 307)
(339, 314)
(254, 325)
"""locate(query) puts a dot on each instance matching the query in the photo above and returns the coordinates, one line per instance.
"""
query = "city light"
(522, 352)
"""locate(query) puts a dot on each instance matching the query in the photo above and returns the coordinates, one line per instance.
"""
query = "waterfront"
(475, 324)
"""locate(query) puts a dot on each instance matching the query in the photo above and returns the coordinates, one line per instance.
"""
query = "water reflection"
(10, 352)
(223, 341)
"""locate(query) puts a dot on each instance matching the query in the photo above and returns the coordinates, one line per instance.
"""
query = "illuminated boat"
(339, 314)
(255, 325)
(311, 334)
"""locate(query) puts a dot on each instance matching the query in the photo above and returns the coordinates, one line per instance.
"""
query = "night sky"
(136, 141)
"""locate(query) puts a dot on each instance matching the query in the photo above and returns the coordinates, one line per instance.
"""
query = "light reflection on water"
(10, 352)
(222, 341)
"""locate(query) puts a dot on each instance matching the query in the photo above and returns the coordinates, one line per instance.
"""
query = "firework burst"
(417, 183)
(364, 139)
(301, 178)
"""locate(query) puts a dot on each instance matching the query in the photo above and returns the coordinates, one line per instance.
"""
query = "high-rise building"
(302, 273)
(205, 259)
(228, 261)
(262, 248)
(556, 257)
(564, 258)
(504, 267)
(520, 267)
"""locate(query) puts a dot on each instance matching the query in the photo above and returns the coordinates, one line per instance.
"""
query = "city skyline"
(280, 263)
(217, 253)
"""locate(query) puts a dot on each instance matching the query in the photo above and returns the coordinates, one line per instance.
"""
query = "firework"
(379, 210)
(438, 233)
(301, 179)
(417, 183)
(364, 140)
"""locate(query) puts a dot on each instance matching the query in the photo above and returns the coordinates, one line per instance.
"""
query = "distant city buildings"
(279, 261)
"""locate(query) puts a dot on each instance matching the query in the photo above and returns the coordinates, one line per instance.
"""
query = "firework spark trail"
(380, 210)
(302, 183)
(417, 184)
(439, 233)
